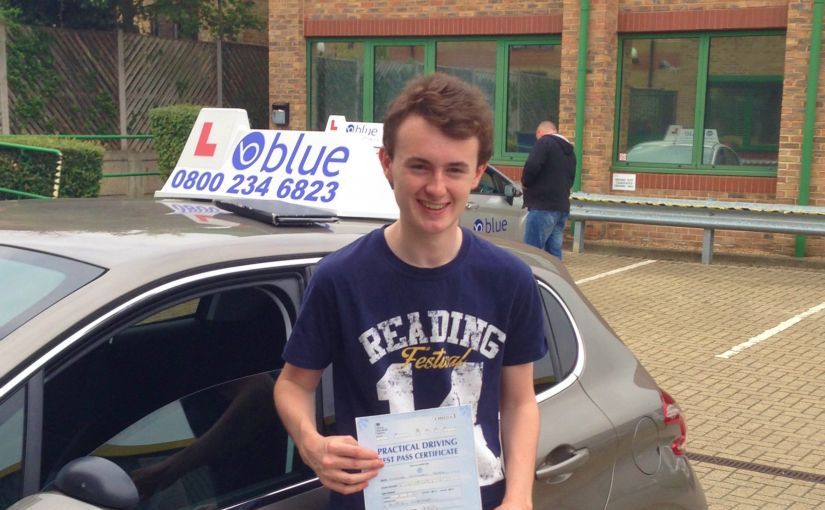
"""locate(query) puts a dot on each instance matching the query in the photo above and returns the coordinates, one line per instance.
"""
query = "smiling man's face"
(432, 176)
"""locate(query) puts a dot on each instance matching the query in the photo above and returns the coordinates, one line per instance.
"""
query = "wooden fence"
(89, 82)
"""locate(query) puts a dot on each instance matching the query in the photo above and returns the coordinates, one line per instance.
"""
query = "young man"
(548, 177)
(421, 313)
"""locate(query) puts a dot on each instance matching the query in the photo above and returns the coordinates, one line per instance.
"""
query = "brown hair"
(455, 107)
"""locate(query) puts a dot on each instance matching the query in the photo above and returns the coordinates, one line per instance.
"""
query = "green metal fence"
(8, 193)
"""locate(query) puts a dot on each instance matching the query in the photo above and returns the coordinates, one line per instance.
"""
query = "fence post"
(4, 83)
(121, 88)
(219, 46)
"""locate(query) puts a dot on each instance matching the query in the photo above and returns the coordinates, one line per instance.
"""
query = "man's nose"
(436, 184)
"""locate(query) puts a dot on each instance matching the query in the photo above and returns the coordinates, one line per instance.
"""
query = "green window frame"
(749, 87)
(372, 47)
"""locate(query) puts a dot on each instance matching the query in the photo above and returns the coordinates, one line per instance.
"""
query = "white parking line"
(771, 332)
(615, 271)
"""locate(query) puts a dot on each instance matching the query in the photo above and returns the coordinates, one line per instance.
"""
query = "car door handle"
(570, 459)
(471, 205)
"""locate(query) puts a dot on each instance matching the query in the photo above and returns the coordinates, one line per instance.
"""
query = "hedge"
(33, 171)
(170, 127)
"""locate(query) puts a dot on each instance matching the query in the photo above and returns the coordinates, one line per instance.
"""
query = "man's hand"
(341, 463)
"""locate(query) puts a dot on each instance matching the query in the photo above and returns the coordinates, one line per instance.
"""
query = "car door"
(495, 207)
(177, 392)
(577, 442)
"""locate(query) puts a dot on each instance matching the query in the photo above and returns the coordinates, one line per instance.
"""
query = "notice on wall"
(624, 182)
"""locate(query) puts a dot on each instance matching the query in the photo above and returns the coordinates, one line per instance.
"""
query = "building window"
(533, 92)
(472, 61)
(395, 65)
(706, 103)
(519, 76)
(337, 73)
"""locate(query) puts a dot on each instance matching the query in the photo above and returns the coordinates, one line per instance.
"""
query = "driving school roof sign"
(372, 132)
(322, 173)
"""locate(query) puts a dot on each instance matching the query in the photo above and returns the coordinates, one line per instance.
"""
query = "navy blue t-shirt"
(402, 338)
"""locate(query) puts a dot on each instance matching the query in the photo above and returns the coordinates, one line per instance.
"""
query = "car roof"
(115, 232)
(143, 242)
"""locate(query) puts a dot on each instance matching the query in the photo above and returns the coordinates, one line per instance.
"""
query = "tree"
(223, 19)
(79, 14)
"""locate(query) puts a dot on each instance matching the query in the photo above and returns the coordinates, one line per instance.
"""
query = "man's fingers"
(342, 488)
(344, 466)
(351, 463)
(349, 447)
(346, 482)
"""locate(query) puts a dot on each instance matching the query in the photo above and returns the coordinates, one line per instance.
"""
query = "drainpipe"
(810, 115)
(581, 87)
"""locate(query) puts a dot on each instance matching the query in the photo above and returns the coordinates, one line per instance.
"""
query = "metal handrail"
(22, 194)
(106, 137)
(58, 168)
(59, 154)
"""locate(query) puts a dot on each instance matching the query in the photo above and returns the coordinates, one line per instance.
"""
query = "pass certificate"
(429, 460)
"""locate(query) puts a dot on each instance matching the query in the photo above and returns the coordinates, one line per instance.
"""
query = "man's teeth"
(431, 205)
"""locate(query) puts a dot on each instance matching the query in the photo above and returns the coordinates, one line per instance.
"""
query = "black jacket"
(549, 173)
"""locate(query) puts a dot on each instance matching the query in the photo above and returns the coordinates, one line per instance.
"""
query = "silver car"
(716, 154)
(140, 340)
(496, 207)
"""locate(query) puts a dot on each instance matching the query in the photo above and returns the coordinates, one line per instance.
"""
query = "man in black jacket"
(548, 177)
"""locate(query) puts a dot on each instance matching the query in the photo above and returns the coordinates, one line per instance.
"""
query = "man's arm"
(340, 462)
(519, 435)
(534, 164)
(571, 172)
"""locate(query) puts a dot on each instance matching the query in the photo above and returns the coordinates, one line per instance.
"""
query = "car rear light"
(673, 414)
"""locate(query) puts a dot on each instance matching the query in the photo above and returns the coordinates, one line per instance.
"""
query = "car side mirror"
(510, 192)
(97, 481)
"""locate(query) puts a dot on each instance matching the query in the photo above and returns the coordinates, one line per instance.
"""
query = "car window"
(37, 281)
(726, 156)
(217, 446)
(182, 400)
(11, 449)
(562, 345)
(491, 183)
(487, 185)
(187, 309)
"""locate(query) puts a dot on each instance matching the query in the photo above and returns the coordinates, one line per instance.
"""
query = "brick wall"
(797, 54)
(433, 9)
(287, 58)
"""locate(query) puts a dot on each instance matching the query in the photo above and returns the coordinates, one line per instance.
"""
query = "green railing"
(20, 194)
(116, 137)
(59, 165)
(106, 137)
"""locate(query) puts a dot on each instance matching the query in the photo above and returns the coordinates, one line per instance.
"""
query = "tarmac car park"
(140, 340)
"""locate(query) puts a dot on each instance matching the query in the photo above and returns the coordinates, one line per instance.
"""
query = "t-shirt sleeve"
(525, 340)
(312, 342)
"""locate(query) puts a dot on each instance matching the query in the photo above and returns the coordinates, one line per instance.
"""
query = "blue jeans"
(545, 230)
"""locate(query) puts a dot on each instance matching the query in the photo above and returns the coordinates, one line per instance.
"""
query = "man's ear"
(385, 160)
(479, 172)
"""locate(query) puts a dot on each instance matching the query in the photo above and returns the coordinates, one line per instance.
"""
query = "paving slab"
(740, 344)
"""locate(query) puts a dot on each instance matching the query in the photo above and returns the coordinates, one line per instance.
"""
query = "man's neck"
(425, 251)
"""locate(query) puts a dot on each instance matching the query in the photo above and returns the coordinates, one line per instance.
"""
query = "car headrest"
(240, 304)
